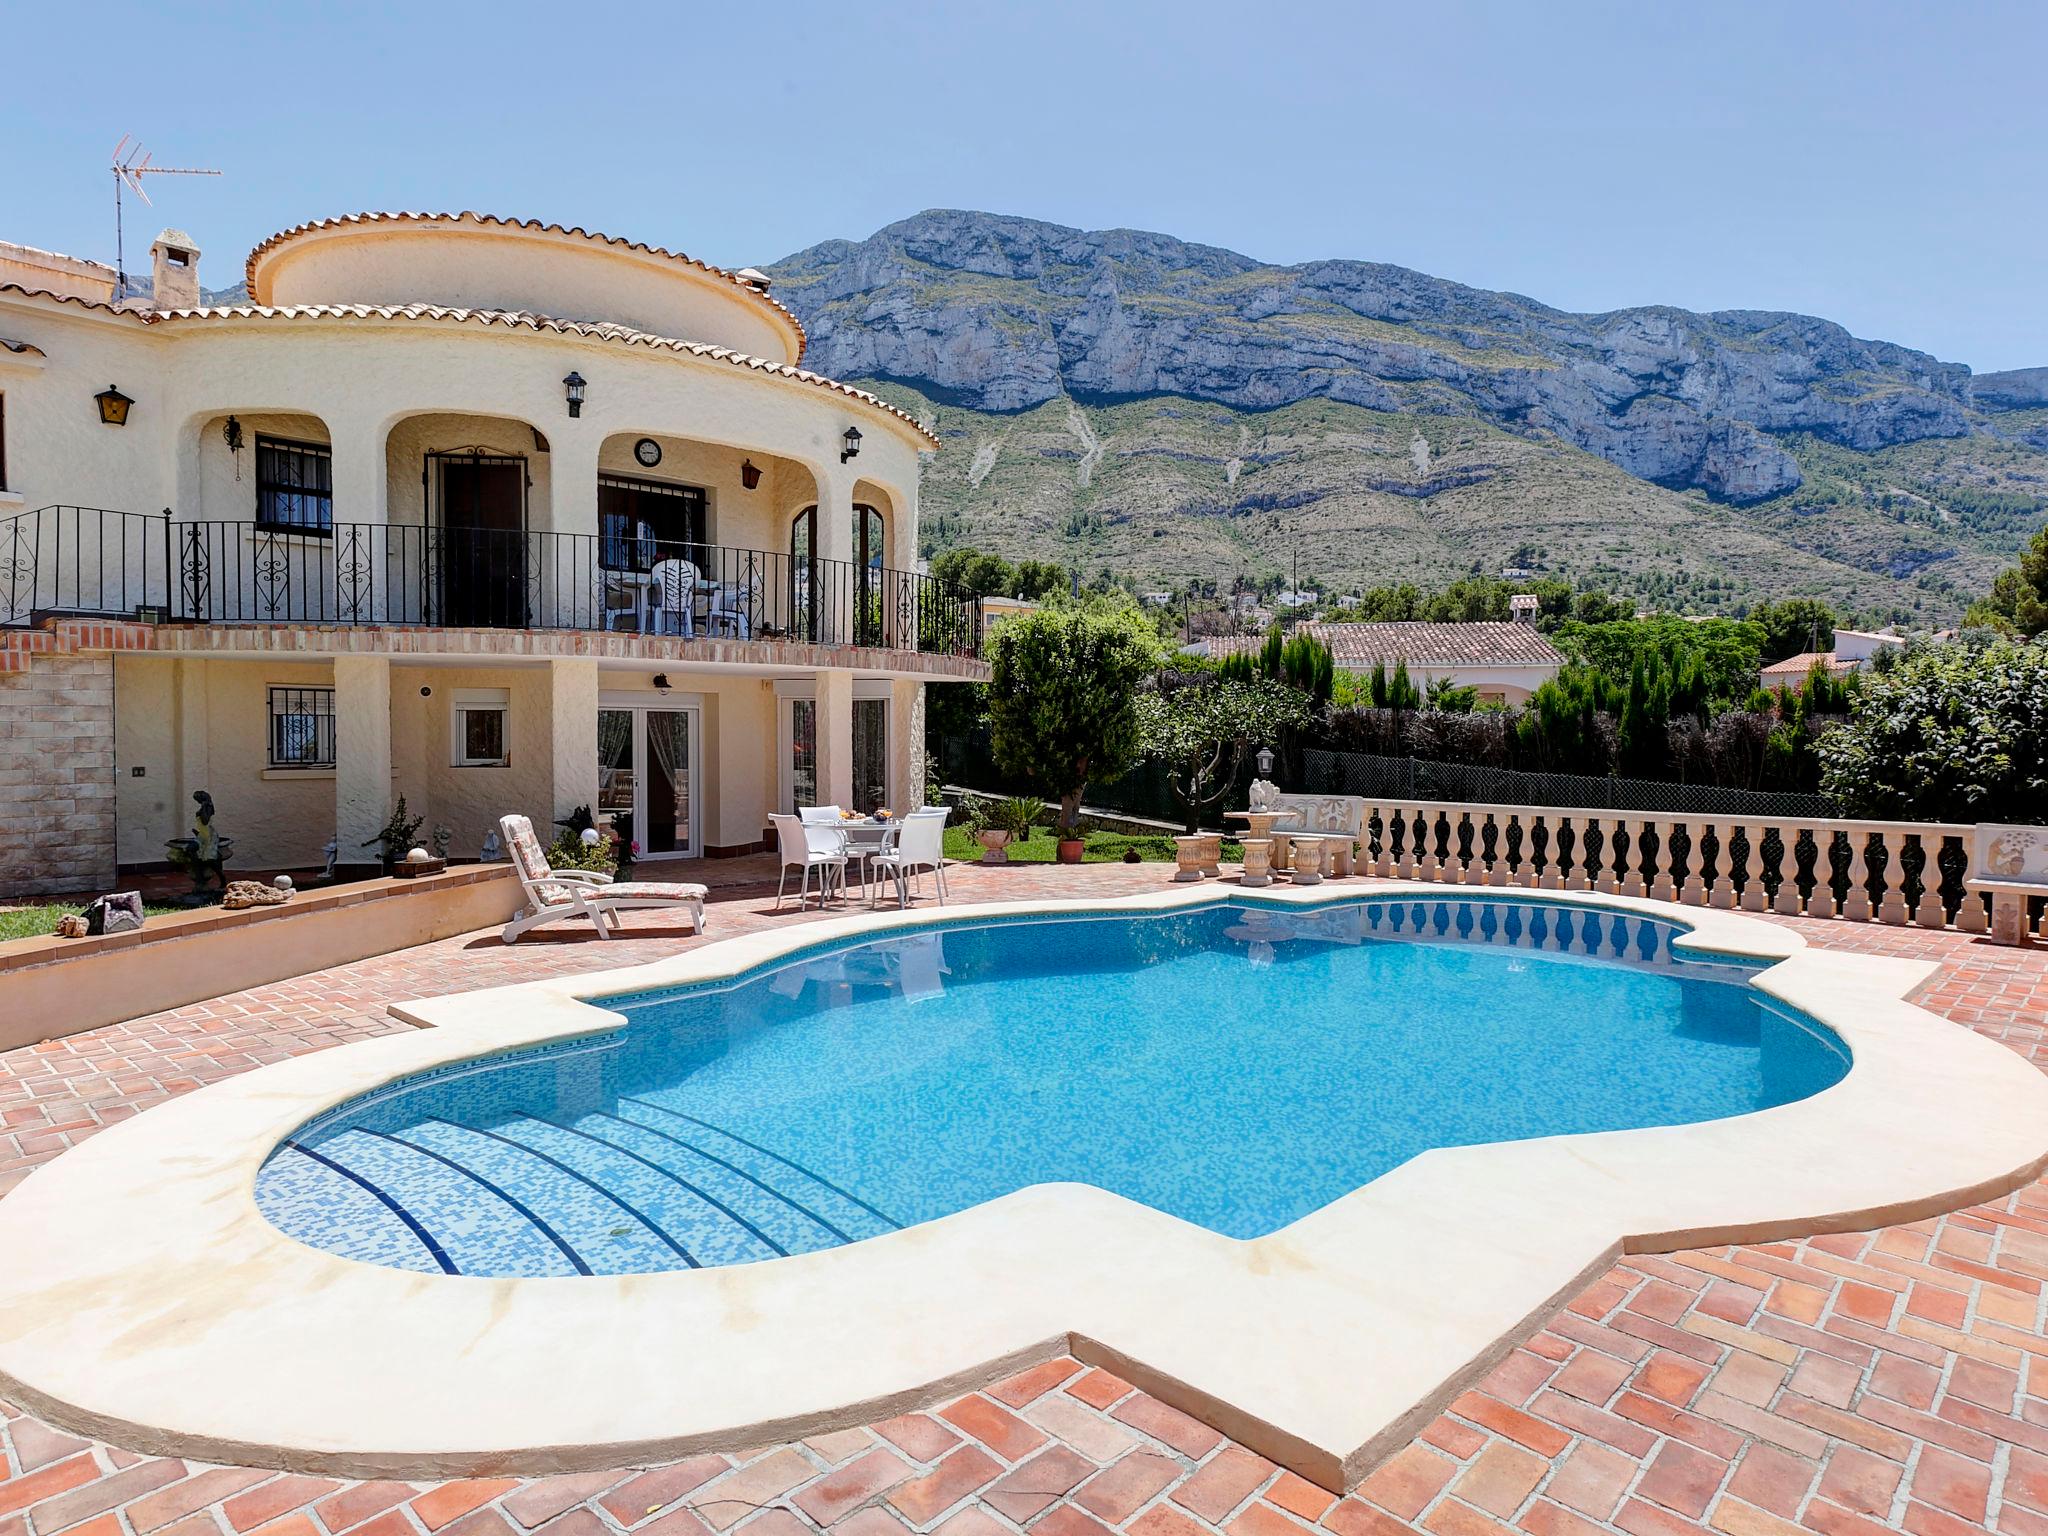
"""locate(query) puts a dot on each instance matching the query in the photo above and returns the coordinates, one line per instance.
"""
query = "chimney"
(176, 276)
(1523, 607)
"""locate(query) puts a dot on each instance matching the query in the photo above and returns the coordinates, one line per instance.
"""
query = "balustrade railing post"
(1693, 893)
(1754, 896)
(1629, 835)
(1856, 900)
(1821, 903)
(1661, 888)
(1723, 894)
(1892, 909)
(1787, 902)
(1930, 911)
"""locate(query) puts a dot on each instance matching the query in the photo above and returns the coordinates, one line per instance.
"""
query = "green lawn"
(27, 922)
(1102, 847)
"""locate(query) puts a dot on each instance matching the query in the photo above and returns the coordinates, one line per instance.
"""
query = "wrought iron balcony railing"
(90, 561)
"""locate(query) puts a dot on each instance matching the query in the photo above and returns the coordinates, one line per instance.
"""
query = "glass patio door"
(647, 777)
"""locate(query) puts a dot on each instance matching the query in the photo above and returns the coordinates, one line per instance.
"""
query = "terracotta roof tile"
(1359, 646)
(599, 331)
(499, 221)
(1798, 666)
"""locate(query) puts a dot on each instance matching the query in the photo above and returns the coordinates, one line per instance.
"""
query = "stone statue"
(205, 852)
(1265, 795)
(493, 850)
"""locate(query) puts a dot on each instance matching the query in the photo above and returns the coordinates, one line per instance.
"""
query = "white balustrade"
(1754, 865)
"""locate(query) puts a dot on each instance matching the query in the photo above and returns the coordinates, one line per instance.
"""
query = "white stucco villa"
(497, 515)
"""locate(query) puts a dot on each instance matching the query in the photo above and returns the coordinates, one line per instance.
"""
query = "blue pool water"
(1236, 1065)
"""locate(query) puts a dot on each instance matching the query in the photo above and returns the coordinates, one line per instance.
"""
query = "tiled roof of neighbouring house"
(1359, 646)
(1795, 668)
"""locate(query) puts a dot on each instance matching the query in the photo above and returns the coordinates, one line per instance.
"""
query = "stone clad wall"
(57, 776)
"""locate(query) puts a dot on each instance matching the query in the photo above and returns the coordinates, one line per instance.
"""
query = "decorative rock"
(417, 856)
(252, 893)
(283, 883)
(1258, 861)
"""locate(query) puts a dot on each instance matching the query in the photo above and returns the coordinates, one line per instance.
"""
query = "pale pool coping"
(167, 1315)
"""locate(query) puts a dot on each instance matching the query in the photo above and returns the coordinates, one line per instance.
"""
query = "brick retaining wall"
(57, 776)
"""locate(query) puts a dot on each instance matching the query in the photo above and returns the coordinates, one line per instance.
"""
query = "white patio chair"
(554, 894)
(808, 846)
(920, 846)
(732, 609)
(675, 586)
(820, 815)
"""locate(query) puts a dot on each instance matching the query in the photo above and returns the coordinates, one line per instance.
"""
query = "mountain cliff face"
(995, 319)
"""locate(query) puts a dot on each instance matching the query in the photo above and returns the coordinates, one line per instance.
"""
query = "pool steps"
(649, 1188)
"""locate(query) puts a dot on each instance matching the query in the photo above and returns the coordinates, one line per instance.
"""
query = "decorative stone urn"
(1212, 855)
(1308, 860)
(995, 845)
(1258, 861)
(1189, 854)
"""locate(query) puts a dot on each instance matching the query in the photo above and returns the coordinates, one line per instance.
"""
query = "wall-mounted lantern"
(750, 474)
(574, 386)
(849, 444)
(231, 434)
(113, 406)
(1265, 762)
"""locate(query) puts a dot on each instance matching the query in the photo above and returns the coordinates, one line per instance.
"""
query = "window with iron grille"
(640, 522)
(301, 728)
(294, 485)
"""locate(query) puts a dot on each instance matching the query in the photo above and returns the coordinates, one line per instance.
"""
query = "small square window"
(301, 728)
(478, 734)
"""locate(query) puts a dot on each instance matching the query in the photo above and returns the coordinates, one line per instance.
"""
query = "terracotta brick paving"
(1843, 1384)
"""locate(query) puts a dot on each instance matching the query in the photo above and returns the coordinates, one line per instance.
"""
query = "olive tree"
(1201, 726)
(1062, 698)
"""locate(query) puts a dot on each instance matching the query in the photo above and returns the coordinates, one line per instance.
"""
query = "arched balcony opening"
(253, 535)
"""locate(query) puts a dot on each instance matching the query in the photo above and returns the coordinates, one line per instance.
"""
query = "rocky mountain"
(1130, 400)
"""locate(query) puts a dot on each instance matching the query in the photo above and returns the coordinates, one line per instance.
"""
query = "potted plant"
(1001, 822)
(395, 841)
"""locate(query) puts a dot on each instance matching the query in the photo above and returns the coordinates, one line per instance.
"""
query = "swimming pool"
(1237, 1065)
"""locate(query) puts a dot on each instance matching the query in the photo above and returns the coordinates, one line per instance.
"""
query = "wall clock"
(648, 452)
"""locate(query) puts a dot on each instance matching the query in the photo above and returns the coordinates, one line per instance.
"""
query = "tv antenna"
(131, 162)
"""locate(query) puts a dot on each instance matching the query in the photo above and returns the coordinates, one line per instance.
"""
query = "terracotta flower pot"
(1070, 849)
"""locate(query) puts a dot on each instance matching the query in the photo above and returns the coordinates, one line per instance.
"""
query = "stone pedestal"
(1308, 860)
(1339, 862)
(1212, 855)
(1187, 854)
(1258, 861)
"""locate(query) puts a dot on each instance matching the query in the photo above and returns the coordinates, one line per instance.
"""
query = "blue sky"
(1880, 164)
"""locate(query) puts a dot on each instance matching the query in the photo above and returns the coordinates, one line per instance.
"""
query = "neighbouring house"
(1505, 662)
(994, 609)
(494, 514)
(1854, 649)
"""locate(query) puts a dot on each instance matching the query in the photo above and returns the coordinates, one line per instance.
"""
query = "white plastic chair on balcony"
(675, 587)
(820, 815)
(920, 846)
(732, 609)
(554, 894)
(808, 846)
